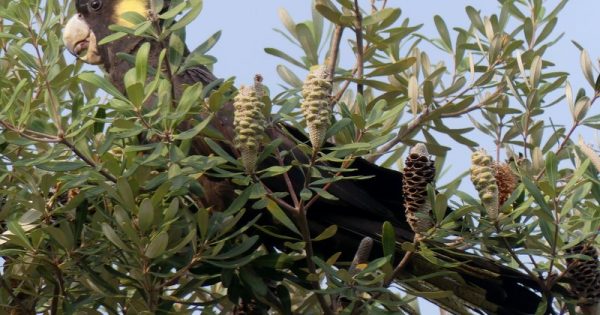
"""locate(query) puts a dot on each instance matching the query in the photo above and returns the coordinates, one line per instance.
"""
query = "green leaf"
(274, 171)
(324, 194)
(287, 21)
(62, 166)
(207, 45)
(327, 233)
(157, 246)
(289, 77)
(308, 43)
(537, 195)
(146, 215)
(16, 229)
(378, 17)
(112, 37)
(220, 152)
(60, 237)
(113, 237)
(278, 214)
(102, 84)
(329, 11)
(173, 12)
(394, 68)
(172, 210)
(126, 193)
(547, 30)
(239, 249)
(195, 8)
(586, 67)
(552, 172)
(428, 92)
(388, 240)
(141, 62)
(191, 133)
(284, 56)
(306, 194)
(443, 30)
(240, 201)
(441, 205)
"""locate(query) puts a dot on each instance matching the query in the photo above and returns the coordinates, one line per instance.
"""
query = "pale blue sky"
(248, 28)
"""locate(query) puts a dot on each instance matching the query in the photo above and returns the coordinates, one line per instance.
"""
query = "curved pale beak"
(81, 41)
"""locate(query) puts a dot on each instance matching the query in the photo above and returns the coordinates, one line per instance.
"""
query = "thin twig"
(334, 51)
(399, 267)
(89, 161)
(312, 268)
(342, 90)
(30, 135)
(359, 47)
(288, 182)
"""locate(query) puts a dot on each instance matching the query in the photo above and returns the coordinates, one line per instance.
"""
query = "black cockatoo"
(361, 206)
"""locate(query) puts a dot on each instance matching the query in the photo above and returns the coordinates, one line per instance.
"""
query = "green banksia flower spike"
(316, 108)
(483, 177)
(249, 124)
(419, 170)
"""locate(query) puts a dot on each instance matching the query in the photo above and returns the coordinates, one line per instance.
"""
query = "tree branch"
(359, 47)
(334, 51)
(416, 123)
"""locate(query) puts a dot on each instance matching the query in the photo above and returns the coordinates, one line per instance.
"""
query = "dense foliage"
(100, 198)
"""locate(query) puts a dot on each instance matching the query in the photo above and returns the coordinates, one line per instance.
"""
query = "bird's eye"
(95, 5)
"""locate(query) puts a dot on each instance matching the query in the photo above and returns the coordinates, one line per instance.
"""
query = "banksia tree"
(482, 176)
(506, 180)
(249, 124)
(585, 276)
(419, 171)
(316, 108)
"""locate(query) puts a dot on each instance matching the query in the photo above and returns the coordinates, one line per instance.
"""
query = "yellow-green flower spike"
(315, 108)
(249, 125)
(419, 170)
(483, 177)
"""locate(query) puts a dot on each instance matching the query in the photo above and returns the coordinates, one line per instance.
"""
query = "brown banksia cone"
(584, 274)
(315, 108)
(482, 176)
(506, 180)
(419, 170)
(249, 124)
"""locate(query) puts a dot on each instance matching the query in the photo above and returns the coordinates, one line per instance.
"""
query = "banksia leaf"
(419, 171)
(506, 180)
(249, 124)
(315, 108)
(590, 154)
(584, 274)
(483, 177)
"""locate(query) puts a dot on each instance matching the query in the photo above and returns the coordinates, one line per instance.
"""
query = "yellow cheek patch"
(123, 6)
